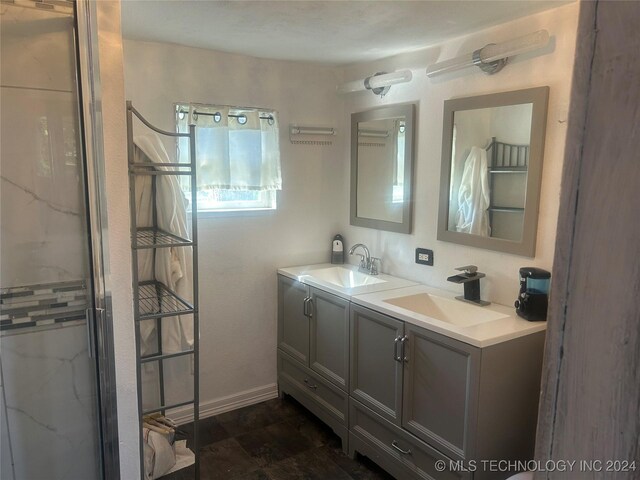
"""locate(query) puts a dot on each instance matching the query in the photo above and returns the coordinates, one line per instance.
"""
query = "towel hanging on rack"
(473, 195)
(172, 265)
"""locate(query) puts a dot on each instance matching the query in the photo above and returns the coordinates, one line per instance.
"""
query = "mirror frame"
(408, 111)
(539, 97)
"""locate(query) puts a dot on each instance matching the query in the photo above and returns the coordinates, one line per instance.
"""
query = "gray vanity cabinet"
(440, 390)
(313, 351)
(293, 323)
(329, 337)
(376, 364)
(403, 395)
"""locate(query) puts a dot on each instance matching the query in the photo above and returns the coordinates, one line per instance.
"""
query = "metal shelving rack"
(505, 158)
(152, 299)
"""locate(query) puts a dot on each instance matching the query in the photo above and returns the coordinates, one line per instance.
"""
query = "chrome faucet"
(367, 262)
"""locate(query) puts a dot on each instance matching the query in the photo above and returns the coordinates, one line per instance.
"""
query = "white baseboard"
(226, 404)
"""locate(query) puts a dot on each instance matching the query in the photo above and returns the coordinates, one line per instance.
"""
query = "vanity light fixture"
(379, 83)
(492, 57)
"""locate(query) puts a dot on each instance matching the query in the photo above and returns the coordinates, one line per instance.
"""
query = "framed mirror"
(382, 168)
(492, 151)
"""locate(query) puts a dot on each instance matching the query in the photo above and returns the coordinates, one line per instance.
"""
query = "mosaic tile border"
(42, 305)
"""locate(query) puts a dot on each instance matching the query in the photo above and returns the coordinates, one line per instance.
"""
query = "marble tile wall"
(6, 457)
(42, 233)
(48, 421)
(50, 404)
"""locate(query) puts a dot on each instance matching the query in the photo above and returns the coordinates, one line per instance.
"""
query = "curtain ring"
(271, 120)
(217, 117)
(242, 119)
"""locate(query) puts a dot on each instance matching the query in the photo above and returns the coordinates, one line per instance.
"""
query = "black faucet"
(471, 280)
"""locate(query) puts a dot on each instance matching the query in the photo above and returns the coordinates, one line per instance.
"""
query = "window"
(237, 156)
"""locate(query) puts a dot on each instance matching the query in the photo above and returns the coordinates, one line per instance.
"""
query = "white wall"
(553, 68)
(239, 254)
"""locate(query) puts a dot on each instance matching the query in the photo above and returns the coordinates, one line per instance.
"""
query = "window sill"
(245, 212)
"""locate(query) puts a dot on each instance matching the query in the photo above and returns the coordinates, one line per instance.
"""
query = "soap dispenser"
(337, 250)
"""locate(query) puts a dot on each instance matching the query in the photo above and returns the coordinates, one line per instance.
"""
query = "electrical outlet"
(424, 256)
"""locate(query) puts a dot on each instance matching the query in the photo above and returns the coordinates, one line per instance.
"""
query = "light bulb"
(493, 52)
(519, 45)
(376, 81)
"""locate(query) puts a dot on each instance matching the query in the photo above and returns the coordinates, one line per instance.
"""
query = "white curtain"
(236, 149)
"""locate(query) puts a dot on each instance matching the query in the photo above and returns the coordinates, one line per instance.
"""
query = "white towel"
(173, 267)
(473, 195)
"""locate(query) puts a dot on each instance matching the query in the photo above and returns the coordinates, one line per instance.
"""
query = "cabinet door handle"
(403, 343)
(395, 445)
(305, 311)
(310, 303)
(396, 355)
(312, 387)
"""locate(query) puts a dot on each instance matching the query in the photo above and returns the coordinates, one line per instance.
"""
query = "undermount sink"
(344, 277)
(453, 312)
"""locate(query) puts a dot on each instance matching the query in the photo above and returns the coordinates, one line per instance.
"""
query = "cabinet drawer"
(394, 446)
(328, 396)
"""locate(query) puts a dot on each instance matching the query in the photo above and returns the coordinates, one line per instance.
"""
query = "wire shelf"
(155, 300)
(150, 237)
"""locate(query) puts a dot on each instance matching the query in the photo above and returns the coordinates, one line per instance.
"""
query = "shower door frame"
(100, 317)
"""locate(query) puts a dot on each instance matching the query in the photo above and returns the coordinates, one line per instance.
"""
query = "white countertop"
(304, 274)
(490, 332)
(480, 335)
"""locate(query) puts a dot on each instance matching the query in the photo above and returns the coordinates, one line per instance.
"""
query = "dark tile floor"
(273, 440)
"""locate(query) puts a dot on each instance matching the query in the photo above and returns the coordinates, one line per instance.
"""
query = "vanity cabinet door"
(376, 363)
(293, 324)
(440, 395)
(329, 337)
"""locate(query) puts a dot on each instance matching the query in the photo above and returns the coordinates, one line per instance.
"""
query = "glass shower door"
(50, 427)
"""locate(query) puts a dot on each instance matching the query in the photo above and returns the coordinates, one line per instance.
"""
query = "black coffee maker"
(533, 298)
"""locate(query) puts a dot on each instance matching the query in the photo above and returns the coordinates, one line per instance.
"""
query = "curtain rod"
(196, 112)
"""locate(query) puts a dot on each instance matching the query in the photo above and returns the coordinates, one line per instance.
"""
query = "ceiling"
(330, 32)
